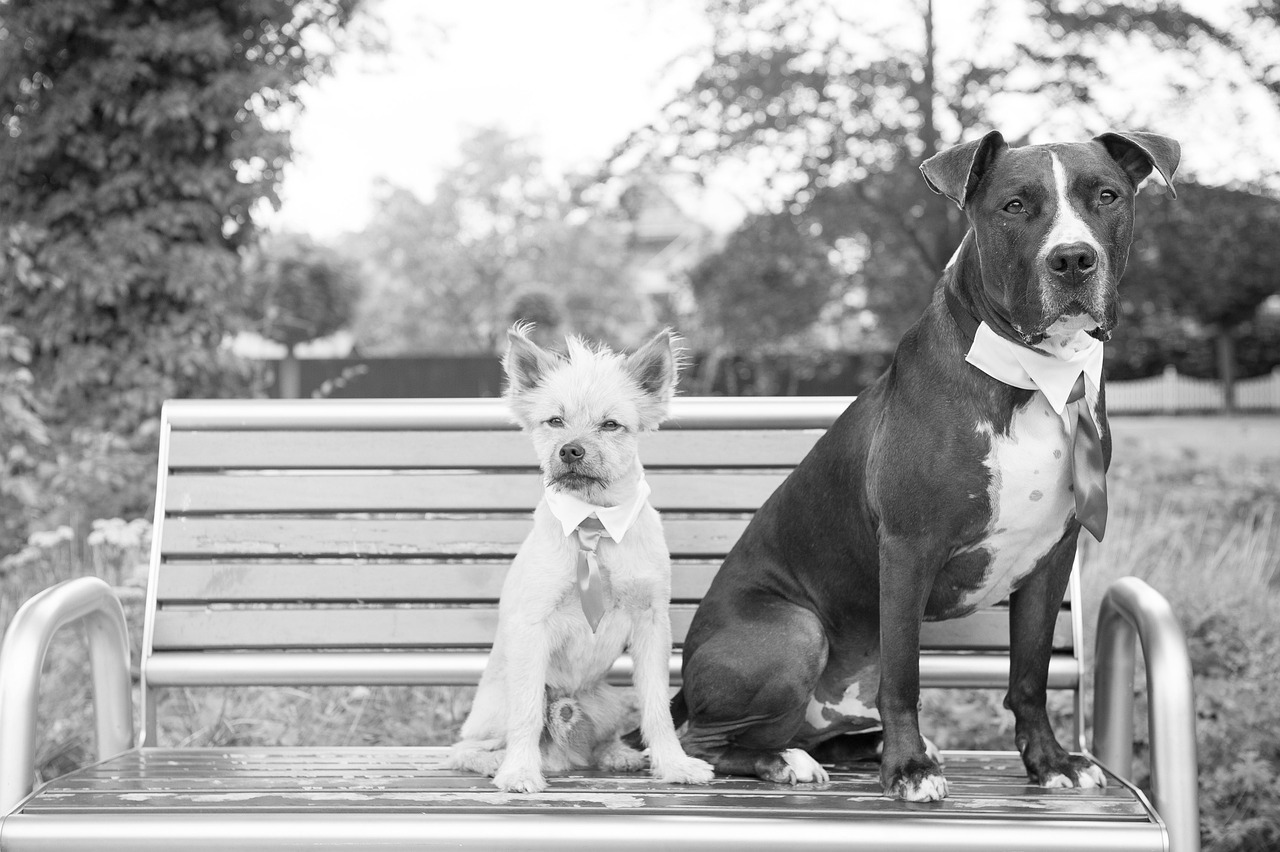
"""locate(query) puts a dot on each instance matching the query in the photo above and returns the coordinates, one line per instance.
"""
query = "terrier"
(592, 578)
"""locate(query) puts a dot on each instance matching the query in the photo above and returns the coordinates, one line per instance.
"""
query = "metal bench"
(364, 542)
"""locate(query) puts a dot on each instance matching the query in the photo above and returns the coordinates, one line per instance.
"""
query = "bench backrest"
(365, 541)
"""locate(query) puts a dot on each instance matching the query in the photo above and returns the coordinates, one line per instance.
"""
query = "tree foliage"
(835, 106)
(139, 143)
(446, 275)
(298, 290)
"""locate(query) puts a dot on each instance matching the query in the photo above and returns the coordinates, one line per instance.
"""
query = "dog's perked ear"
(957, 171)
(525, 363)
(1139, 153)
(655, 369)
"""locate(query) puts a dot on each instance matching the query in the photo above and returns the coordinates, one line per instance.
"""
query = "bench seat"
(199, 798)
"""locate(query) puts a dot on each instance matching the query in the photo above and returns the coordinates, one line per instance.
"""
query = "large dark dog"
(940, 490)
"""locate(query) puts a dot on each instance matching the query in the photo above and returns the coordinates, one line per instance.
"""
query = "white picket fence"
(1171, 392)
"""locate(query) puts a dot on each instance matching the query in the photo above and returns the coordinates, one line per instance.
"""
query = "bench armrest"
(1131, 609)
(26, 642)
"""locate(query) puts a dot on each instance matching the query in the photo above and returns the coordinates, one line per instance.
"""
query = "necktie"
(1087, 468)
(590, 583)
(1088, 471)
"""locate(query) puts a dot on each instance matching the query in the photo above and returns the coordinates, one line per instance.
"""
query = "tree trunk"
(290, 376)
(1225, 344)
(928, 128)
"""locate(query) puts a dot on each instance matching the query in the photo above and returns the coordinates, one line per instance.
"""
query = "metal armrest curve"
(86, 600)
(1131, 610)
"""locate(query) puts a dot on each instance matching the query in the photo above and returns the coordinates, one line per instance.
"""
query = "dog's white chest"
(1030, 495)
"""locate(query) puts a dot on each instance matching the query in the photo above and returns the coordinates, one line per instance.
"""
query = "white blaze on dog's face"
(586, 408)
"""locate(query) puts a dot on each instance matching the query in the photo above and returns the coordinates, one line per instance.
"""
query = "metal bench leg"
(1132, 609)
(26, 642)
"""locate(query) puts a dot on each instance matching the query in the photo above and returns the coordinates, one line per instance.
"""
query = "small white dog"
(592, 578)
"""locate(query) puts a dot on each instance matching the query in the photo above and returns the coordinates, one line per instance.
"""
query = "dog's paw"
(520, 779)
(475, 757)
(620, 757)
(802, 768)
(1080, 772)
(684, 770)
(917, 780)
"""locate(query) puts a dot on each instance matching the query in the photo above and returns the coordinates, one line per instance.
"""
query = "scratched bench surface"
(984, 785)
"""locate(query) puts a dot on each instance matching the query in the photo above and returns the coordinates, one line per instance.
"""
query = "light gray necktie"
(590, 583)
(1087, 468)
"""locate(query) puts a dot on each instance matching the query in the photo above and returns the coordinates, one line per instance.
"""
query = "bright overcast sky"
(579, 75)
(576, 75)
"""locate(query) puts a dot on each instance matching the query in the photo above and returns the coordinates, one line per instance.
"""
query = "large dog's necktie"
(590, 583)
(1088, 469)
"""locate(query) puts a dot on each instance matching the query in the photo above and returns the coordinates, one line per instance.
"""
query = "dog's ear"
(957, 171)
(655, 367)
(525, 363)
(1139, 153)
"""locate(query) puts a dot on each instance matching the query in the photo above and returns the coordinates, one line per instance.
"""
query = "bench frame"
(1131, 612)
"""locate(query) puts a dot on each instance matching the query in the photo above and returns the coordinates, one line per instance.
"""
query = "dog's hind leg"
(747, 688)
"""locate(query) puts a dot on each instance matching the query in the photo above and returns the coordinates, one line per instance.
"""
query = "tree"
(139, 143)
(137, 151)
(836, 106)
(1212, 254)
(763, 290)
(444, 275)
(297, 291)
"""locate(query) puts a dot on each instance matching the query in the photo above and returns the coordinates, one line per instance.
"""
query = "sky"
(578, 75)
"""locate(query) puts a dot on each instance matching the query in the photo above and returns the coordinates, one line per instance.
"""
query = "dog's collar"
(571, 510)
(1023, 367)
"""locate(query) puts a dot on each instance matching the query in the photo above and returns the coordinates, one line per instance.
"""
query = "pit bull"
(961, 476)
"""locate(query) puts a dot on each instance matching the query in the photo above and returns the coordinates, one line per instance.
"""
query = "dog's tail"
(679, 715)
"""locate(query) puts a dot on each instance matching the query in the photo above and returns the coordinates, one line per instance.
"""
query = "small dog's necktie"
(1087, 467)
(590, 583)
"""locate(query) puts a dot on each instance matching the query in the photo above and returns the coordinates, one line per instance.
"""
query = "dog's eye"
(1014, 206)
(556, 421)
(610, 425)
(1107, 197)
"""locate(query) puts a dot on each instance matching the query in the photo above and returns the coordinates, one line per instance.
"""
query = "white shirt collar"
(571, 510)
(1008, 362)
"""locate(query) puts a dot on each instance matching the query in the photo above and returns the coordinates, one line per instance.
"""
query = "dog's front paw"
(918, 779)
(1070, 771)
(683, 770)
(520, 779)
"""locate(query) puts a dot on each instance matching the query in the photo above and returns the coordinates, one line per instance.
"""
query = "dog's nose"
(571, 452)
(1072, 261)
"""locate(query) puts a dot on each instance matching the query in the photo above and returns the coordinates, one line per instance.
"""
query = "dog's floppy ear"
(957, 171)
(655, 368)
(525, 363)
(1138, 153)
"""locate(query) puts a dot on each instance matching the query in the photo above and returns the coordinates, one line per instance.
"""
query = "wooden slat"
(201, 536)
(395, 450)
(369, 580)
(399, 627)
(428, 492)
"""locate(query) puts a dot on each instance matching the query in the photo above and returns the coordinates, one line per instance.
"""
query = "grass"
(1195, 511)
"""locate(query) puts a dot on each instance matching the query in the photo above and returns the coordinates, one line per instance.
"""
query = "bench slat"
(296, 449)
(425, 492)
(367, 580)
(473, 626)
(202, 536)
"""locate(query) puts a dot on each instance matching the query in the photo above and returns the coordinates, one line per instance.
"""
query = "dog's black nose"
(1072, 261)
(571, 453)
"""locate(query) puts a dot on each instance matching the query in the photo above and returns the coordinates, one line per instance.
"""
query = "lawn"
(1194, 504)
